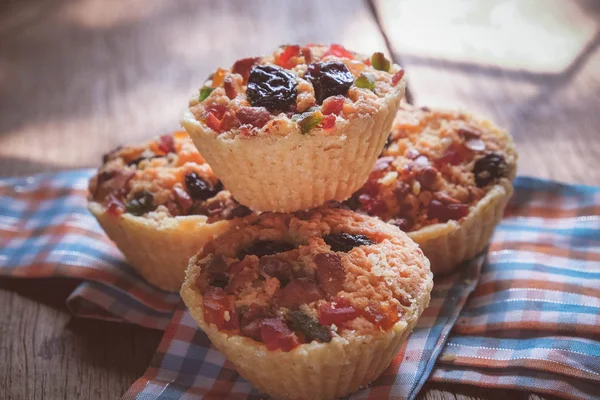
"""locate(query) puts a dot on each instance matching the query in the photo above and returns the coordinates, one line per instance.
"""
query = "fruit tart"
(160, 202)
(297, 128)
(444, 178)
(311, 305)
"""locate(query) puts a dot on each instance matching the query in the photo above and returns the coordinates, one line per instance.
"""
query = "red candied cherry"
(339, 51)
(285, 58)
(333, 105)
(397, 77)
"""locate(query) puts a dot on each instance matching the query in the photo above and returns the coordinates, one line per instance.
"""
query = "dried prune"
(199, 189)
(272, 87)
(141, 203)
(329, 79)
(263, 248)
(489, 168)
(345, 242)
(308, 326)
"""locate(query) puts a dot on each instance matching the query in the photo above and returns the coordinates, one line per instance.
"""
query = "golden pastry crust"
(385, 283)
(314, 151)
(158, 247)
(444, 178)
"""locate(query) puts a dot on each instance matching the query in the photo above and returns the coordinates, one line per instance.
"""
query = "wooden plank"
(532, 66)
(79, 78)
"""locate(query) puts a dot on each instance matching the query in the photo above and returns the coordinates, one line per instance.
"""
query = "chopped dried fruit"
(141, 203)
(337, 312)
(251, 318)
(339, 51)
(345, 242)
(365, 81)
(276, 268)
(308, 326)
(254, 116)
(330, 272)
(198, 188)
(446, 212)
(166, 144)
(205, 92)
(310, 121)
(213, 274)
(469, 132)
(286, 57)
(244, 66)
(263, 248)
(229, 87)
(219, 309)
(218, 77)
(397, 77)
(328, 122)
(378, 61)
(275, 334)
(183, 199)
(453, 155)
(427, 177)
(333, 105)
(272, 87)
(115, 206)
(384, 317)
(298, 292)
(489, 168)
(329, 79)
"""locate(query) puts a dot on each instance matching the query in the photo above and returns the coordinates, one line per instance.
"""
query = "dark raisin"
(329, 79)
(268, 247)
(489, 168)
(141, 203)
(276, 268)
(308, 326)
(427, 177)
(272, 87)
(199, 189)
(345, 242)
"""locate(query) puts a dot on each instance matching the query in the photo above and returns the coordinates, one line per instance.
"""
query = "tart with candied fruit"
(297, 128)
(160, 202)
(311, 305)
(445, 178)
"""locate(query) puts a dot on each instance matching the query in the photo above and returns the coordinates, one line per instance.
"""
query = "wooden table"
(80, 77)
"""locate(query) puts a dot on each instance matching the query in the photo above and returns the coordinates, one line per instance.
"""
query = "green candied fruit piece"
(308, 326)
(365, 81)
(378, 61)
(310, 121)
(205, 92)
(141, 203)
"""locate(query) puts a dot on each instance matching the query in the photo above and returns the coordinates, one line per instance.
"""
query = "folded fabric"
(531, 323)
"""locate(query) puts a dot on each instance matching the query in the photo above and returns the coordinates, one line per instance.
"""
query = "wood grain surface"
(80, 77)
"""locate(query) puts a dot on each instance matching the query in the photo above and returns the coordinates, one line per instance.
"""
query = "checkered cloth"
(532, 321)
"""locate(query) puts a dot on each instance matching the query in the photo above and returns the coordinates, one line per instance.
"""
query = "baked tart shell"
(159, 249)
(294, 171)
(312, 370)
